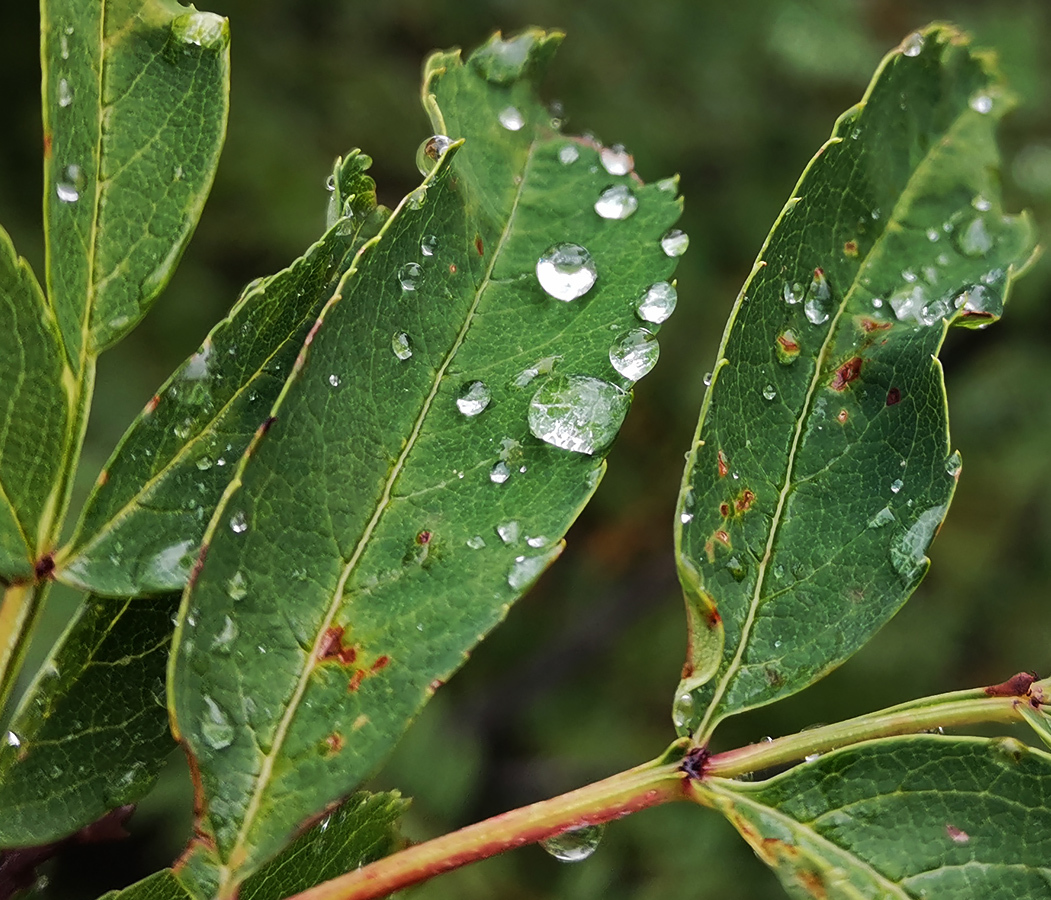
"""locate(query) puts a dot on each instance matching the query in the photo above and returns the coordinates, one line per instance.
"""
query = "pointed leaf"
(135, 104)
(966, 818)
(92, 731)
(400, 503)
(34, 413)
(821, 469)
(143, 524)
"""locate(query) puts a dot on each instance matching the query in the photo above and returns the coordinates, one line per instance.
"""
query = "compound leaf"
(821, 469)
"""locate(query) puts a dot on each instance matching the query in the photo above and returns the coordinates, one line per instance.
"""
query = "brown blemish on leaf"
(151, 404)
(333, 743)
(870, 325)
(893, 396)
(842, 417)
(381, 663)
(360, 722)
(773, 677)
(47, 145)
(434, 685)
(452, 268)
(356, 679)
(957, 835)
(787, 345)
(694, 764)
(265, 427)
(712, 619)
(846, 373)
(724, 468)
(744, 500)
(850, 248)
(812, 882)
(103, 477)
(478, 245)
(724, 509)
(424, 537)
(720, 537)
(332, 648)
(44, 567)
(1015, 686)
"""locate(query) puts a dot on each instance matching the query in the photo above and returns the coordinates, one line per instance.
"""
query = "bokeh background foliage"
(577, 684)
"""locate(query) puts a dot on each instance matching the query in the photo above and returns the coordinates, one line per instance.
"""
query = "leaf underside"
(821, 469)
(400, 501)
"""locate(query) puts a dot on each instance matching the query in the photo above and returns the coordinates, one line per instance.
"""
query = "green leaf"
(143, 524)
(399, 504)
(92, 731)
(135, 104)
(162, 885)
(821, 469)
(34, 418)
(903, 818)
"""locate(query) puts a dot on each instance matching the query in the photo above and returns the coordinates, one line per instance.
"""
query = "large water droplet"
(430, 151)
(793, 293)
(333, 380)
(238, 523)
(577, 413)
(216, 729)
(508, 531)
(954, 464)
(511, 118)
(408, 275)
(503, 61)
(568, 154)
(203, 29)
(474, 397)
(896, 485)
(817, 305)
(12, 739)
(657, 303)
(401, 345)
(616, 160)
(66, 192)
(635, 353)
(237, 586)
(908, 553)
(65, 93)
(769, 392)
(682, 710)
(527, 569)
(616, 202)
(417, 198)
(574, 845)
(500, 472)
(675, 242)
(913, 44)
(972, 238)
(566, 271)
(980, 304)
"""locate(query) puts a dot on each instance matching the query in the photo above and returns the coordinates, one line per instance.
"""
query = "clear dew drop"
(616, 160)
(202, 29)
(401, 344)
(574, 845)
(973, 238)
(616, 202)
(204, 463)
(793, 293)
(883, 517)
(566, 271)
(981, 103)
(417, 198)
(682, 710)
(908, 552)
(769, 392)
(216, 729)
(430, 151)
(568, 154)
(508, 531)
(707, 379)
(66, 192)
(675, 242)
(913, 44)
(954, 464)
(511, 118)
(12, 739)
(635, 354)
(527, 569)
(896, 485)
(65, 93)
(658, 303)
(238, 523)
(500, 472)
(539, 541)
(577, 413)
(408, 275)
(226, 637)
(474, 398)
(476, 543)
(818, 299)
(237, 586)
(428, 244)
(333, 380)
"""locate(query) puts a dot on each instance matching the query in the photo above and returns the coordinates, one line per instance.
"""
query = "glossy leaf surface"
(966, 818)
(143, 524)
(401, 501)
(92, 731)
(821, 469)
(135, 104)
(34, 412)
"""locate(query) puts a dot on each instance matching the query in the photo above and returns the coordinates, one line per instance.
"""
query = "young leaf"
(34, 418)
(821, 468)
(142, 526)
(446, 423)
(92, 731)
(135, 104)
(905, 817)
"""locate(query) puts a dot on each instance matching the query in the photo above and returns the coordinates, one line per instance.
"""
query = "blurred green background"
(577, 684)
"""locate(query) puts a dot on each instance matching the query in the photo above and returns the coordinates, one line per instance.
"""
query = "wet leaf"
(135, 104)
(967, 818)
(822, 470)
(143, 524)
(92, 731)
(400, 502)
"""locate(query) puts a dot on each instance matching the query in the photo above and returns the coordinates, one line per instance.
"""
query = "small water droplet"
(538, 541)
(66, 192)
(981, 103)
(203, 29)
(237, 587)
(511, 118)
(883, 517)
(972, 238)
(675, 242)
(65, 93)
(428, 244)
(401, 345)
(333, 380)
(527, 569)
(476, 543)
(566, 271)
(635, 353)
(736, 568)
(793, 293)
(682, 710)
(408, 275)
(616, 202)
(817, 303)
(508, 531)
(216, 729)
(568, 154)
(430, 151)
(577, 413)
(913, 44)
(616, 160)
(204, 463)
(417, 198)
(811, 757)
(658, 303)
(500, 472)
(574, 845)
(668, 185)
(896, 485)
(769, 392)
(12, 739)
(954, 464)
(707, 379)
(238, 523)
(226, 637)
(474, 397)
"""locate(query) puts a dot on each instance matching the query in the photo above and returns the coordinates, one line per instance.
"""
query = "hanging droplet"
(430, 151)
(616, 202)
(568, 154)
(239, 522)
(508, 532)
(769, 393)
(500, 472)
(658, 303)
(954, 464)
(818, 299)
(511, 118)
(237, 587)
(566, 271)
(577, 413)
(616, 160)
(675, 242)
(474, 397)
(65, 93)
(682, 710)
(428, 244)
(216, 729)
(635, 353)
(574, 845)
(401, 345)
(408, 275)
(908, 552)
(913, 44)
(203, 29)
(538, 541)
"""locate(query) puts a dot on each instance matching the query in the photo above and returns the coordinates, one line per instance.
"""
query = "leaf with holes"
(821, 469)
(446, 421)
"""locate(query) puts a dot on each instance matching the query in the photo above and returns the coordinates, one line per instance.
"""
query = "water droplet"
(818, 299)
(635, 353)
(883, 517)
(12, 739)
(574, 845)
(216, 729)
(204, 463)
(769, 392)
(787, 347)
(913, 44)
(812, 757)
(577, 413)
(566, 271)
(616, 202)
(237, 586)
(500, 472)
(474, 397)
(476, 543)
(226, 637)
(707, 379)
(896, 485)
(658, 303)
(401, 345)
(203, 29)
(539, 541)
(417, 198)
(669, 185)
(333, 380)
(736, 568)
(428, 244)
(527, 569)
(954, 464)
(616, 160)
(568, 154)
(511, 118)
(508, 532)
(65, 93)
(238, 523)
(793, 293)
(981, 103)
(408, 275)
(682, 710)
(675, 242)
(430, 151)
(67, 192)
(973, 238)
(908, 553)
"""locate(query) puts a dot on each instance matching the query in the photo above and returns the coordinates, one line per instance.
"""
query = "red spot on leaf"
(956, 835)
(452, 268)
(842, 417)
(870, 325)
(334, 743)
(724, 509)
(1015, 686)
(712, 619)
(437, 683)
(478, 245)
(724, 469)
(332, 648)
(788, 344)
(744, 501)
(424, 537)
(846, 373)
(850, 248)
(893, 396)
(151, 404)
(356, 679)
(381, 663)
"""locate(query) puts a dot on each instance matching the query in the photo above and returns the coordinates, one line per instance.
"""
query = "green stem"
(651, 784)
(18, 613)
